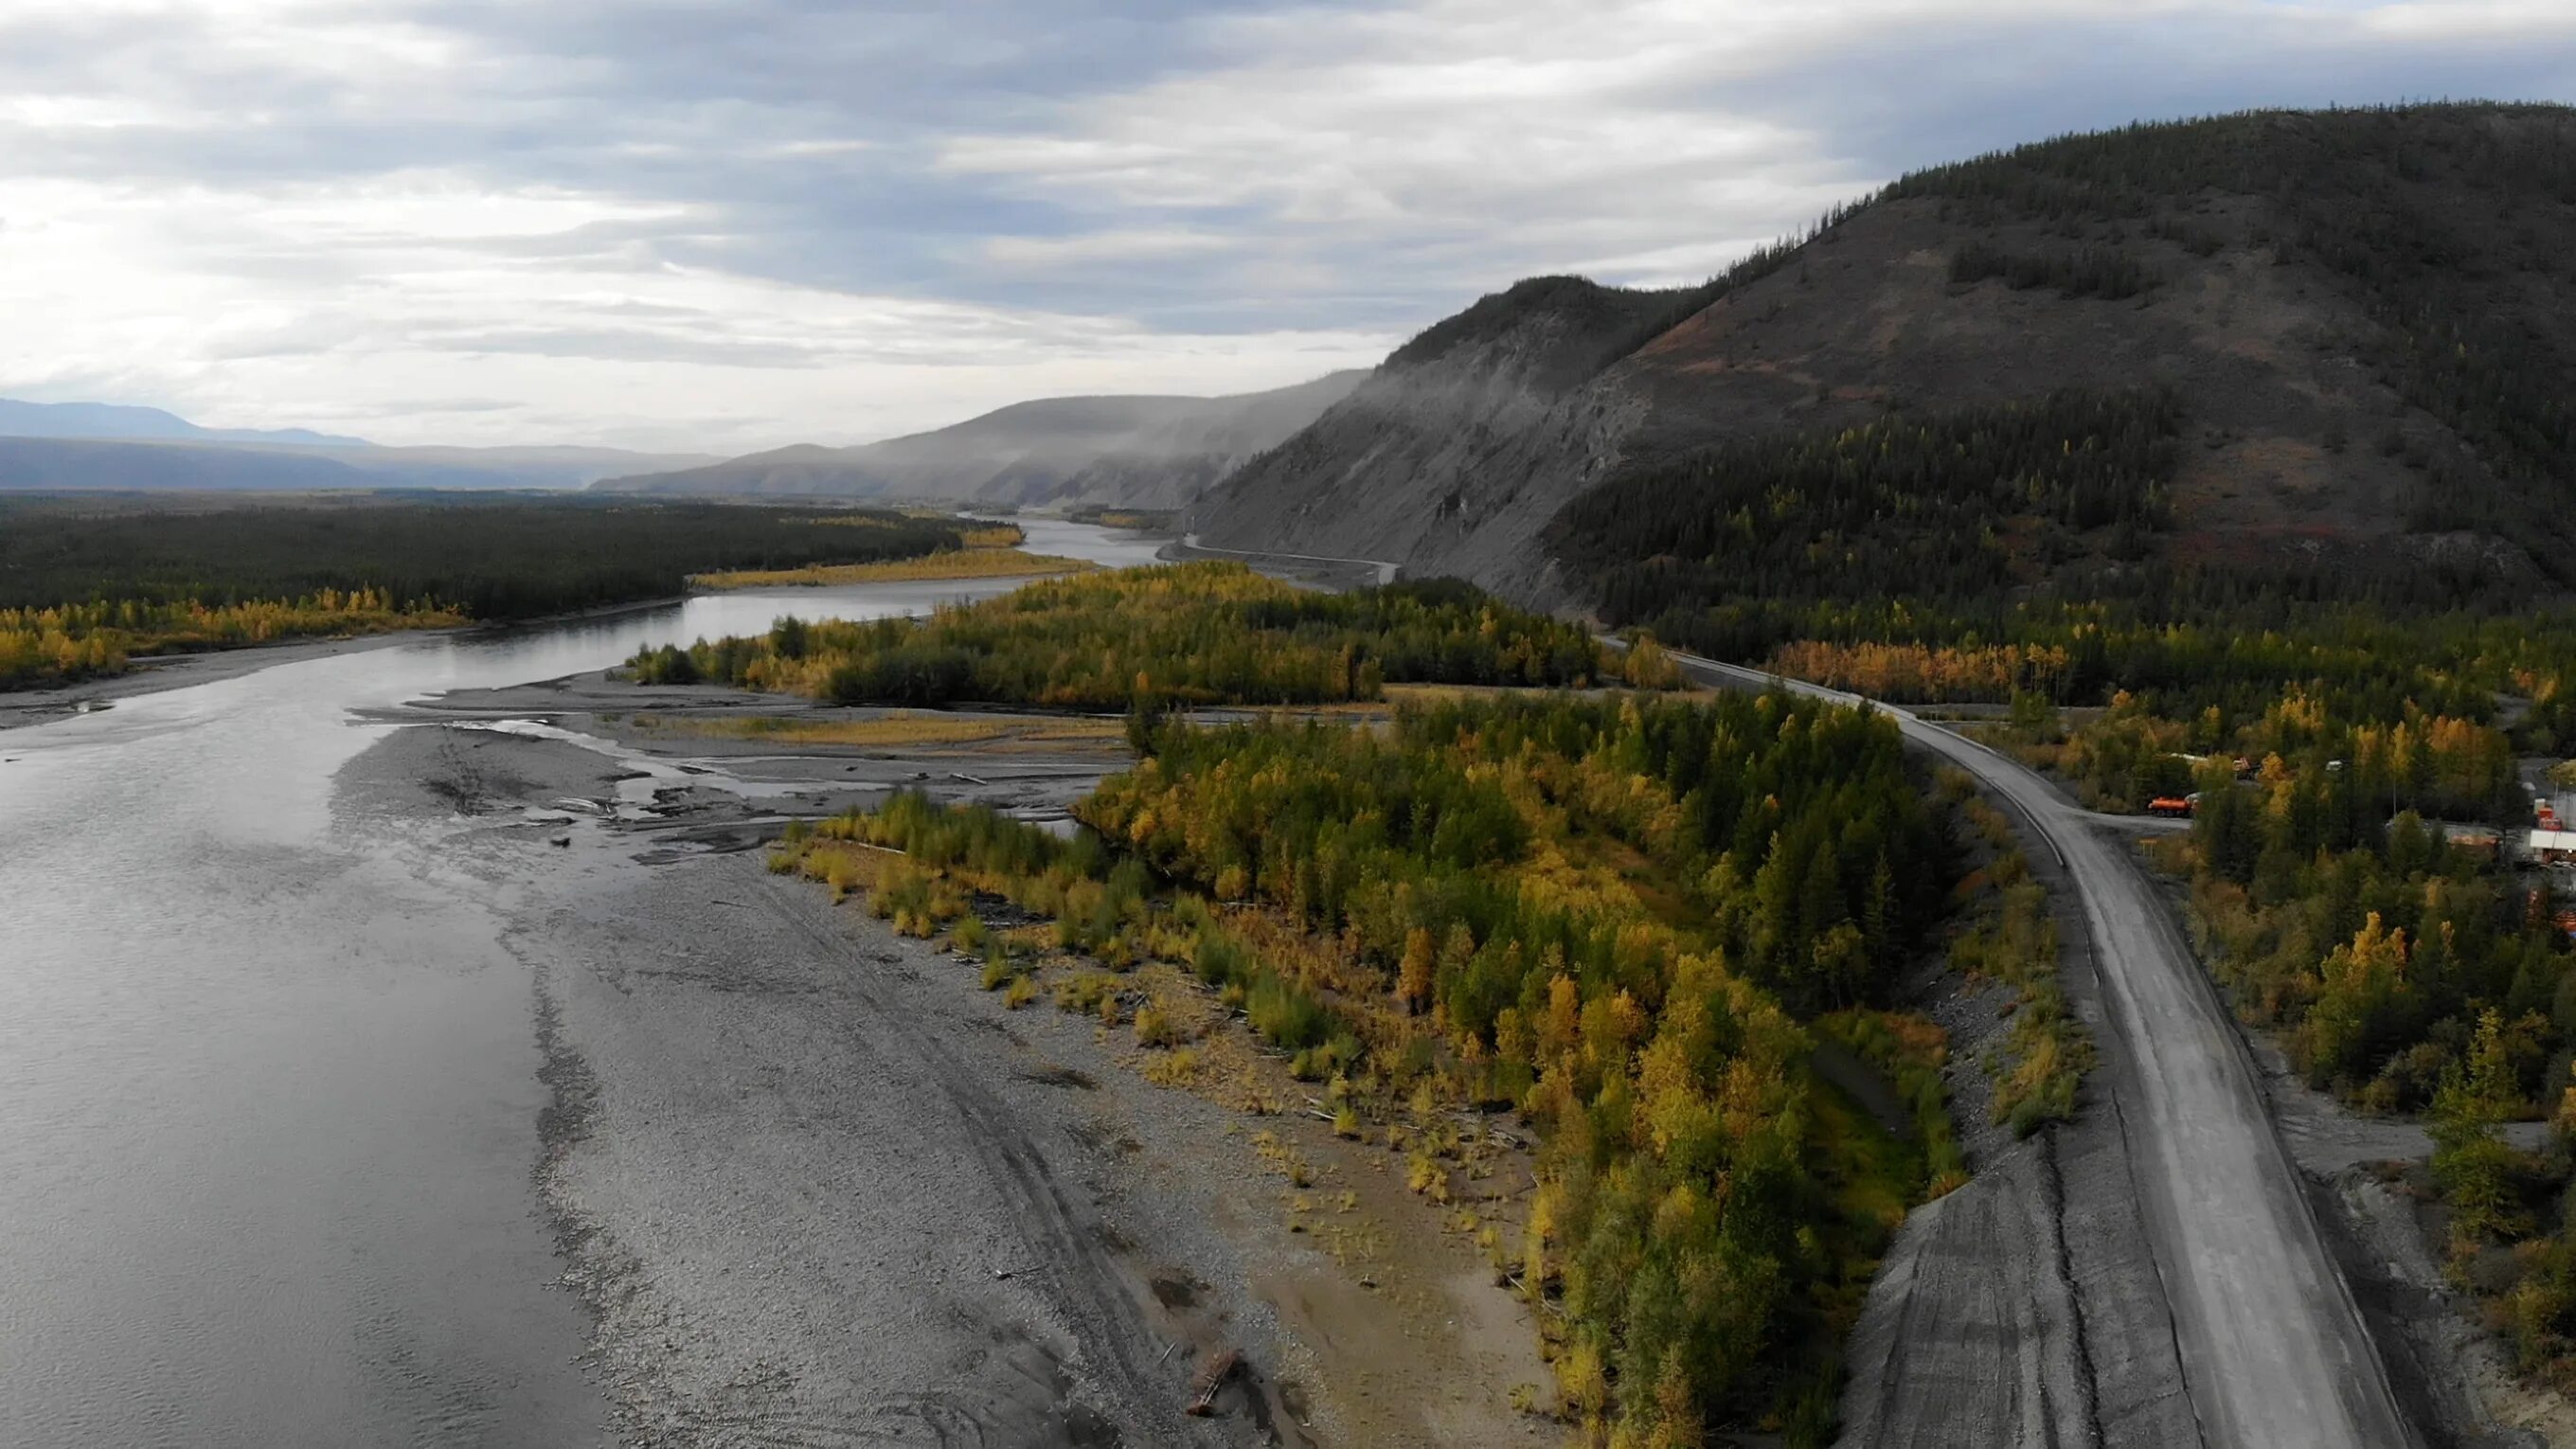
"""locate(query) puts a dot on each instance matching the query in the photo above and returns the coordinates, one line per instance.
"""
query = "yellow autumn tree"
(1413, 979)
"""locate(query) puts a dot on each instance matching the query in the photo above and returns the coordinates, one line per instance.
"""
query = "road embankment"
(2273, 1348)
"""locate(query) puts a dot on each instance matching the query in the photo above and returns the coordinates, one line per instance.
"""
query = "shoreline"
(156, 674)
(160, 673)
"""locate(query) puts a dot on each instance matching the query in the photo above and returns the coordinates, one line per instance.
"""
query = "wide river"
(268, 1094)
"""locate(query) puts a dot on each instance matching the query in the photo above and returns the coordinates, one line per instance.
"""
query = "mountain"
(89, 464)
(56, 447)
(110, 420)
(2335, 345)
(1142, 452)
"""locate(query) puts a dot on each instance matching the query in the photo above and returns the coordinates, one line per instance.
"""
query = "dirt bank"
(819, 1188)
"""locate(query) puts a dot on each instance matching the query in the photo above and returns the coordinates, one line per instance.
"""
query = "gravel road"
(2274, 1351)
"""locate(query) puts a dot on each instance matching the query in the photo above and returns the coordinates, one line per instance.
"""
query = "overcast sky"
(729, 224)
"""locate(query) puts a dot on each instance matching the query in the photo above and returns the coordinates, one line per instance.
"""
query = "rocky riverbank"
(816, 1187)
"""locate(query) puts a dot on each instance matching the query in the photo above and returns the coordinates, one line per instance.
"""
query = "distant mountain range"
(1138, 452)
(60, 447)
(114, 420)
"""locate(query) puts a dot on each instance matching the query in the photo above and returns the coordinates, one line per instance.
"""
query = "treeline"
(1180, 634)
(491, 558)
(2365, 664)
(1904, 507)
(86, 585)
(1593, 910)
(2357, 774)
(82, 641)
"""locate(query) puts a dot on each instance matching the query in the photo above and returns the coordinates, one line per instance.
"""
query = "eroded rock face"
(1452, 455)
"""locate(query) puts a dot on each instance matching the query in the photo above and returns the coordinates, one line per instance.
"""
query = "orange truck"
(2174, 807)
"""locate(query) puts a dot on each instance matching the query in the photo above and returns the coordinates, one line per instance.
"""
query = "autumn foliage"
(1179, 634)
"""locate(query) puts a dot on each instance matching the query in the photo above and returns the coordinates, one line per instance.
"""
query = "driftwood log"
(1219, 1366)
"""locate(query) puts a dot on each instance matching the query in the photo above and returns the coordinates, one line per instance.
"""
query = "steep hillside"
(1417, 462)
(1143, 452)
(2360, 322)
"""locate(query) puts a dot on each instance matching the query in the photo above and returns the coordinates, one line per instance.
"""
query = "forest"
(1727, 549)
(1629, 918)
(984, 551)
(2089, 272)
(86, 584)
(2347, 190)
(87, 641)
(1172, 635)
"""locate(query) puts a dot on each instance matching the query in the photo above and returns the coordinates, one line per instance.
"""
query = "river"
(268, 1092)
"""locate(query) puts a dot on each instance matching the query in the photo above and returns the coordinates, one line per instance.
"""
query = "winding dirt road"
(2273, 1349)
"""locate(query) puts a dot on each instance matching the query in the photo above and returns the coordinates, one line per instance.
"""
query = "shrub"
(1154, 1028)
(1285, 1016)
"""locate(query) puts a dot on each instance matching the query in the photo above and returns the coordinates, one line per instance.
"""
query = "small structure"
(2550, 846)
(2483, 841)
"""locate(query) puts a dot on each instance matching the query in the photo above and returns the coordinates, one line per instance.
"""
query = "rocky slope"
(1139, 452)
(2364, 314)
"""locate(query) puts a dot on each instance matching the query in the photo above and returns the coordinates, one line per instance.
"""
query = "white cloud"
(114, 292)
(740, 225)
(1139, 245)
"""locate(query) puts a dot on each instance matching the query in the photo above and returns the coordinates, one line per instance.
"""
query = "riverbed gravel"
(818, 1188)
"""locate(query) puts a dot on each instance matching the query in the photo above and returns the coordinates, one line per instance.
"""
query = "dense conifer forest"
(85, 584)
(1729, 541)
(1630, 918)
(494, 558)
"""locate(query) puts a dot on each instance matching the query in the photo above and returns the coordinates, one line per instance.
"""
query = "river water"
(268, 1089)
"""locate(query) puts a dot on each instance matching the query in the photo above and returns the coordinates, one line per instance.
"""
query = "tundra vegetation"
(1631, 919)
(88, 584)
